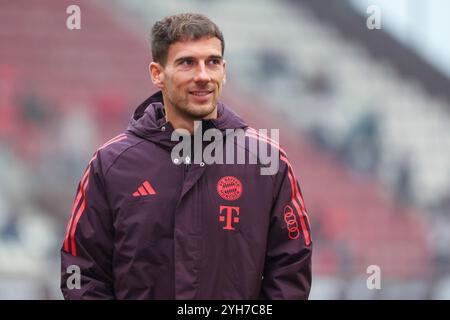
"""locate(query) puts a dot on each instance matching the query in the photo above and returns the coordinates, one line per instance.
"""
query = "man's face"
(192, 78)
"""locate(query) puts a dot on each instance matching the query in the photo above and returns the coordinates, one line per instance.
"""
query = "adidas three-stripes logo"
(145, 189)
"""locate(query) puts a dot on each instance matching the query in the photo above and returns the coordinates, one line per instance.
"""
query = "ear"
(157, 74)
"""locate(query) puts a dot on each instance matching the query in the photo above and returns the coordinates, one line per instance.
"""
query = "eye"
(214, 61)
(186, 62)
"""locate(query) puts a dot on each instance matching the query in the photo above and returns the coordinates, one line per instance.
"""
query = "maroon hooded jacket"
(143, 227)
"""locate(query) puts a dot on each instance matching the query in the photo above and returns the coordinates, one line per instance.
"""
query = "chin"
(200, 112)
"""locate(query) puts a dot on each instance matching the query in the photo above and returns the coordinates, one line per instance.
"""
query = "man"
(146, 226)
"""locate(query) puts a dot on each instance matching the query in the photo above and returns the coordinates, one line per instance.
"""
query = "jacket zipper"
(186, 167)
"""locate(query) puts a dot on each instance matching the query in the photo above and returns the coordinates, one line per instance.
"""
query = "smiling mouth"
(200, 93)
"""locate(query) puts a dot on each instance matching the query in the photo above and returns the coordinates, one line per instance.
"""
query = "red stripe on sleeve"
(81, 192)
(75, 205)
(77, 217)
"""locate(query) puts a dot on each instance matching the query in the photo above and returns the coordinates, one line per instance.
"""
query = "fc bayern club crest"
(229, 188)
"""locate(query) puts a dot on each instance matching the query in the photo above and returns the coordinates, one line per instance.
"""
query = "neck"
(183, 121)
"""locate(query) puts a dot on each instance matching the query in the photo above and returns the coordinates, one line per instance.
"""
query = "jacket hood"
(149, 121)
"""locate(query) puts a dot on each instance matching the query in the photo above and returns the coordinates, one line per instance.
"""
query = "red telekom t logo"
(229, 216)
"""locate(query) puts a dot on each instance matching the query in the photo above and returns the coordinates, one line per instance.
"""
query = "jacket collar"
(149, 121)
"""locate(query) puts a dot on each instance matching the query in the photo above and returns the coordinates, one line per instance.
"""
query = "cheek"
(173, 86)
(219, 79)
(180, 84)
(219, 85)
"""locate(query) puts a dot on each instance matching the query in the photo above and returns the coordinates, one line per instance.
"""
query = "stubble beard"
(195, 112)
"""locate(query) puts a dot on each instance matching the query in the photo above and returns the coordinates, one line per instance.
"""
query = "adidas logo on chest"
(145, 189)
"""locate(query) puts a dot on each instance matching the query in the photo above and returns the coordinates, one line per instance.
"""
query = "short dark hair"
(181, 27)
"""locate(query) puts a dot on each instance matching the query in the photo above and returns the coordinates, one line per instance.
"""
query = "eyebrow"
(193, 58)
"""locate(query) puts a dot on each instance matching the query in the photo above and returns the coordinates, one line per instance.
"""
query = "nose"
(201, 73)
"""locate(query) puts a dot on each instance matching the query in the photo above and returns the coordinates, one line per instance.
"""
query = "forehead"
(199, 48)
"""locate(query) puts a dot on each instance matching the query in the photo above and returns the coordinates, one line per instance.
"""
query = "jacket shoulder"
(107, 154)
(264, 148)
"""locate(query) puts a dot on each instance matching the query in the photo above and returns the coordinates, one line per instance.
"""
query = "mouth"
(201, 95)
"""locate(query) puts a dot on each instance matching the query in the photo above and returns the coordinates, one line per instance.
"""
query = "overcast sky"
(422, 24)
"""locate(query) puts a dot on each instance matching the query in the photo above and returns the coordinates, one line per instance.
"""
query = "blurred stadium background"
(364, 115)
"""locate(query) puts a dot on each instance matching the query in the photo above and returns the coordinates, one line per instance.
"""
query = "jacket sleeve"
(86, 254)
(287, 271)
